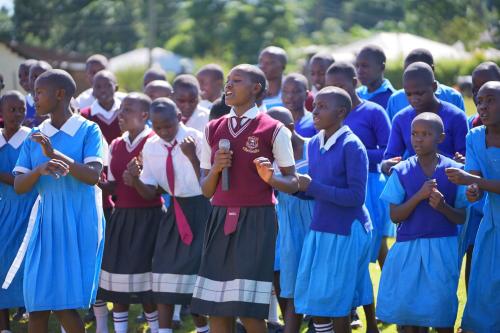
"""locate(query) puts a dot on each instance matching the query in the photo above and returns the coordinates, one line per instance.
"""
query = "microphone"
(224, 144)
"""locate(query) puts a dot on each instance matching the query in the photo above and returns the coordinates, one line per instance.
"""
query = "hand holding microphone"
(222, 162)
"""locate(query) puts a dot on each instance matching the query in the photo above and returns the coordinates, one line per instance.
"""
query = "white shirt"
(154, 156)
(198, 119)
(85, 99)
(129, 145)
(17, 139)
(108, 116)
(205, 103)
(282, 145)
(332, 139)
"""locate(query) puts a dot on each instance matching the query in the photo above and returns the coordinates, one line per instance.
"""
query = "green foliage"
(131, 79)
(6, 25)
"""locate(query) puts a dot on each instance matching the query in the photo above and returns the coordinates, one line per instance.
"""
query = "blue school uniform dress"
(380, 96)
(481, 312)
(455, 128)
(371, 125)
(334, 259)
(294, 220)
(65, 243)
(398, 101)
(418, 286)
(14, 215)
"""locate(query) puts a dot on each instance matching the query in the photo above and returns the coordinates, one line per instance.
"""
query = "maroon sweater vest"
(110, 130)
(127, 196)
(246, 188)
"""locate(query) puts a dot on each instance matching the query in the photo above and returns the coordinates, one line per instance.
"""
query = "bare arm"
(401, 212)
(455, 215)
(210, 178)
(6, 178)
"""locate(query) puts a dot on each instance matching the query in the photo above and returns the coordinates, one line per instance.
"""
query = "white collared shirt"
(332, 139)
(205, 103)
(282, 146)
(70, 127)
(17, 139)
(154, 155)
(129, 145)
(85, 99)
(109, 115)
(199, 119)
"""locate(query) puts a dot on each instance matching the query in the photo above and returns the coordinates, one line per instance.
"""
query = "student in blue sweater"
(334, 257)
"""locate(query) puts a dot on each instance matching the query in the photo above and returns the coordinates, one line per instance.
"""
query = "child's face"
(45, 97)
(23, 74)
(425, 137)
(35, 72)
(131, 117)
(488, 106)
(103, 89)
(368, 69)
(420, 95)
(478, 80)
(164, 126)
(13, 110)
(155, 92)
(271, 66)
(91, 70)
(341, 81)
(210, 87)
(239, 89)
(317, 74)
(293, 95)
(186, 100)
(326, 113)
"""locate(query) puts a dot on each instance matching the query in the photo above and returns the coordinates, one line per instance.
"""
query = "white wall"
(9, 63)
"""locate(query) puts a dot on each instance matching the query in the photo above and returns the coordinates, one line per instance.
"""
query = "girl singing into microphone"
(236, 273)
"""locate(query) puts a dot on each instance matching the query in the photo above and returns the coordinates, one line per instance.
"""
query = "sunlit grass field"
(188, 324)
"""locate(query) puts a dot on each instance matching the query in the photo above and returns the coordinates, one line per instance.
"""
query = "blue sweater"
(339, 176)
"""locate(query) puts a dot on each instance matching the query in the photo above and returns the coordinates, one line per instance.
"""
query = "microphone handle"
(225, 179)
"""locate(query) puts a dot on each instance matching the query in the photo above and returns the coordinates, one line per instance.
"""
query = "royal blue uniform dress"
(64, 251)
(419, 281)
(482, 311)
(294, 220)
(14, 214)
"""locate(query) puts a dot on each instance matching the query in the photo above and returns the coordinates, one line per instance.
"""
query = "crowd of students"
(235, 194)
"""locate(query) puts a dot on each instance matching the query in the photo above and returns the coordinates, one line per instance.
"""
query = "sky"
(9, 4)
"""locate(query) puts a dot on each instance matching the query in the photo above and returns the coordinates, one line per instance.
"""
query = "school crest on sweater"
(252, 145)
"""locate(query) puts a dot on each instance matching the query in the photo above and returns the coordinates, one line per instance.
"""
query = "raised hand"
(264, 168)
(54, 167)
(134, 167)
(222, 159)
(44, 142)
(188, 147)
(304, 181)
(436, 199)
(458, 176)
(473, 193)
(427, 188)
(459, 158)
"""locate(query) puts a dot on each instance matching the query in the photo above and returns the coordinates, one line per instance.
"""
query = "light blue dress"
(65, 243)
(482, 311)
(418, 285)
(294, 220)
(14, 214)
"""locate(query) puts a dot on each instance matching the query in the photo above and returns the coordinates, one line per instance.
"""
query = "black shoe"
(89, 316)
(355, 321)
(19, 314)
(310, 325)
(275, 328)
(240, 328)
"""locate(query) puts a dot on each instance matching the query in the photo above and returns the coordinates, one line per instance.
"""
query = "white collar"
(331, 140)
(70, 127)
(29, 100)
(131, 145)
(250, 114)
(17, 139)
(97, 109)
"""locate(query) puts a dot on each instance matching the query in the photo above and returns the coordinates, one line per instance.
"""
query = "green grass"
(188, 324)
